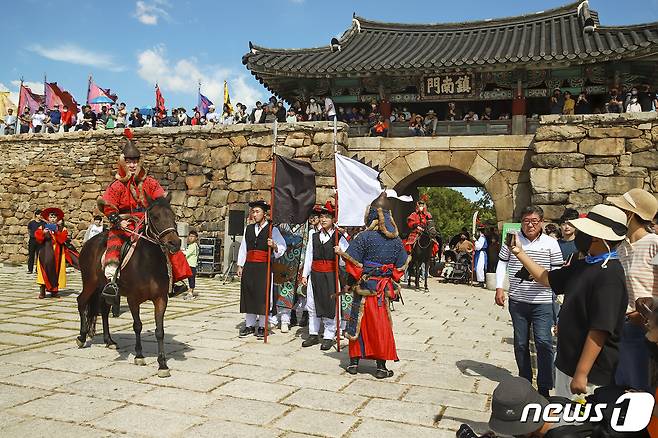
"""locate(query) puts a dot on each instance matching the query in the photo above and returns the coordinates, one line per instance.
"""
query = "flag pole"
(45, 92)
(336, 234)
(20, 109)
(88, 88)
(269, 250)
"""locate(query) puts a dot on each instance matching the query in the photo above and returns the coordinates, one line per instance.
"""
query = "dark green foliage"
(452, 211)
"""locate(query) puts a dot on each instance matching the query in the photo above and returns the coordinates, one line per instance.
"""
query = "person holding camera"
(530, 302)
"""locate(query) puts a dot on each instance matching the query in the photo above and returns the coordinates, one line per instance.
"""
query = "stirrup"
(110, 292)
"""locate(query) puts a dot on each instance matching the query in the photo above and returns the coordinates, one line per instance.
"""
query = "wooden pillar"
(519, 110)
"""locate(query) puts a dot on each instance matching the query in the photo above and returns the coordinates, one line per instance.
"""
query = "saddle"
(127, 251)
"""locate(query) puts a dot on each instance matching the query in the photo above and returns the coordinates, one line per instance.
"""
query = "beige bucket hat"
(638, 201)
(603, 221)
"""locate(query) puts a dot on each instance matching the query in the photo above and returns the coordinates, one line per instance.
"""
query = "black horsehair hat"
(260, 204)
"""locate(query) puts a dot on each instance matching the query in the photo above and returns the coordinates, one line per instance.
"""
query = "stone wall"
(208, 171)
(581, 160)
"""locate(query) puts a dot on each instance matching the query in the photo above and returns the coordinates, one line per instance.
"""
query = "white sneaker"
(284, 327)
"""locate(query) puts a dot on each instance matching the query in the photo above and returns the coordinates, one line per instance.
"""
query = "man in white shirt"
(530, 304)
(95, 228)
(329, 108)
(38, 120)
(9, 122)
(212, 117)
(252, 268)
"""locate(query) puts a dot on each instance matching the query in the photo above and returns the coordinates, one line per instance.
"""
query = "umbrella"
(101, 99)
(146, 111)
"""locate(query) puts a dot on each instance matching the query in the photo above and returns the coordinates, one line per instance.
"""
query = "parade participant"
(313, 225)
(51, 260)
(481, 246)
(417, 223)
(376, 259)
(319, 277)
(464, 245)
(252, 267)
(124, 203)
(32, 226)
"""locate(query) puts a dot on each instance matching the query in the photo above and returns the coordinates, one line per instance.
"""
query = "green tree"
(452, 211)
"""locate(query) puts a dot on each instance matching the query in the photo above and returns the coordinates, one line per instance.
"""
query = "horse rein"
(153, 236)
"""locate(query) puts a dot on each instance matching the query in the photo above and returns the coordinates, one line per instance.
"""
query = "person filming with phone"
(595, 299)
(530, 302)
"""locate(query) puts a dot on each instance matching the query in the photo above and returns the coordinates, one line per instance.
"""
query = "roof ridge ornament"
(252, 49)
(334, 44)
(589, 25)
(356, 22)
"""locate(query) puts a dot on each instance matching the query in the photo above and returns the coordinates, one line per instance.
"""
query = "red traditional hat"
(317, 209)
(328, 209)
(52, 210)
(424, 198)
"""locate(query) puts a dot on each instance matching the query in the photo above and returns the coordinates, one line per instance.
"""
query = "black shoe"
(465, 431)
(246, 331)
(382, 372)
(326, 344)
(110, 292)
(353, 367)
(260, 333)
(178, 289)
(312, 340)
(293, 319)
(304, 321)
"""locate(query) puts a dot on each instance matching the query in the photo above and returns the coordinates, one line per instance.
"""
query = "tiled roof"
(568, 35)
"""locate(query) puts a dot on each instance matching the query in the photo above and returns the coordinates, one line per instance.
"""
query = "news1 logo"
(631, 412)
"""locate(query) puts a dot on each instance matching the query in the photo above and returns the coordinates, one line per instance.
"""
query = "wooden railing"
(443, 128)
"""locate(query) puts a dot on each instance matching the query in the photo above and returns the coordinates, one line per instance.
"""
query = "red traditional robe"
(51, 258)
(418, 219)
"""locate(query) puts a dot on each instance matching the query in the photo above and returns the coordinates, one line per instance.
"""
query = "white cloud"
(184, 75)
(74, 54)
(149, 12)
(36, 87)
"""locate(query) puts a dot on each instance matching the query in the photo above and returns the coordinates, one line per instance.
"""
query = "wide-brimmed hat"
(316, 210)
(509, 399)
(52, 210)
(260, 204)
(603, 221)
(638, 201)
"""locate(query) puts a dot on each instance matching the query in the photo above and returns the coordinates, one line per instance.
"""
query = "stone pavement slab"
(453, 343)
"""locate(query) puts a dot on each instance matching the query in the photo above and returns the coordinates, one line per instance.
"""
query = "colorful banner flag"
(357, 185)
(159, 102)
(6, 103)
(203, 105)
(227, 99)
(56, 96)
(293, 191)
(94, 91)
(28, 99)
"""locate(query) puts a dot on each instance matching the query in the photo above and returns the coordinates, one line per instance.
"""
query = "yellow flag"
(5, 104)
(227, 99)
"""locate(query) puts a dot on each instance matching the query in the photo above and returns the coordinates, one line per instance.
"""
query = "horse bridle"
(152, 231)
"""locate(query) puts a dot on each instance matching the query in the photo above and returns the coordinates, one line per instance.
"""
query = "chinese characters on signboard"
(445, 85)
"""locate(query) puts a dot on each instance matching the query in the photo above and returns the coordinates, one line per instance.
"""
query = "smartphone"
(510, 239)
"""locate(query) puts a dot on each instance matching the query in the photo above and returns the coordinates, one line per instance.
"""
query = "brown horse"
(145, 277)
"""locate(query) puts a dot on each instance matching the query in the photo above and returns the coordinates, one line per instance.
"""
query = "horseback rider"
(417, 223)
(124, 203)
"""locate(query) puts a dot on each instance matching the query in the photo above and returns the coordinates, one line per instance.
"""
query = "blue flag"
(204, 103)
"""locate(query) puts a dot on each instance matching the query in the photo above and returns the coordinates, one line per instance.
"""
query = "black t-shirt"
(594, 299)
(645, 100)
(33, 226)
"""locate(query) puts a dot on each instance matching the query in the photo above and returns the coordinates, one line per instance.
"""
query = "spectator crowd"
(375, 118)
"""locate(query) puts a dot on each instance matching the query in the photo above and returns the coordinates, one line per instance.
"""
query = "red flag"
(94, 91)
(159, 102)
(28, 99)
(57, 96)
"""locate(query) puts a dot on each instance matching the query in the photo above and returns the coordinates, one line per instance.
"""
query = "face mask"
(583, 242)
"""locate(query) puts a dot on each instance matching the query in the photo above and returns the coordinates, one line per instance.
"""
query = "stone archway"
(504, 174)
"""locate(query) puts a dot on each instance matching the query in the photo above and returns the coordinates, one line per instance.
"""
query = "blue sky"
(128, 45)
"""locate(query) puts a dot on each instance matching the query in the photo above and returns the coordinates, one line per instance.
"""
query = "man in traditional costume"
(417, 223)
(124, 203)
(253, 269)
(319, 276)
(376, 260)
(51, 254)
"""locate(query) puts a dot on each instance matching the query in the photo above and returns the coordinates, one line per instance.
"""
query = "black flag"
(294, 191)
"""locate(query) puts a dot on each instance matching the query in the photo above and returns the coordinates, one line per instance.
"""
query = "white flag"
(357, 187)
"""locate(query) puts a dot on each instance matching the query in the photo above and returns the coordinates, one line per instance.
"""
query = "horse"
(421, 253)
(145, 277)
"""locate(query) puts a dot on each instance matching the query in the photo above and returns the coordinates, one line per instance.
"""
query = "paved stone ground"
(453, 344)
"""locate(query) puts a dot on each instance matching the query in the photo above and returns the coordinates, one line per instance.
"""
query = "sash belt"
(323, 266)
(257, 256)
